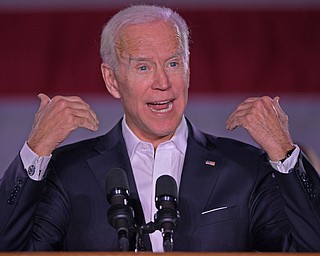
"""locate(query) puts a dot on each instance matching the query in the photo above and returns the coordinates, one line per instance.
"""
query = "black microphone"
(120, 214)
(167, 217)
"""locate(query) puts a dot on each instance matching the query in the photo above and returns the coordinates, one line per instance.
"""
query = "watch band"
(289, 153)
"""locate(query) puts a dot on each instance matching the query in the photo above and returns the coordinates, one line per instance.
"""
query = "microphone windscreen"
(166, 186)
(116, 178)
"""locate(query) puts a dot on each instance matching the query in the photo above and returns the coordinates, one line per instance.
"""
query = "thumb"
(44, 100)
(277, 106)
(276, 103)
(276, 99)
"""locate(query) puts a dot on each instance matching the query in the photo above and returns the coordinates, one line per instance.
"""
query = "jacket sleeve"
(19, 198)
(300, 190)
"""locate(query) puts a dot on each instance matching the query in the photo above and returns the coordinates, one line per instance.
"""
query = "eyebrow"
(179, 54)
(139, 59)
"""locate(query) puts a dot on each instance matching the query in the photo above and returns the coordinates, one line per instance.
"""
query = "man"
(230, 198)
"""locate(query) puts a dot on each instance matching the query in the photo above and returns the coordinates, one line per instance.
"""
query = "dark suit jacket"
(239, 204)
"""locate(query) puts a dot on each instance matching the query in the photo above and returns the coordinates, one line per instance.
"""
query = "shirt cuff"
(34, 165)
(287, 165)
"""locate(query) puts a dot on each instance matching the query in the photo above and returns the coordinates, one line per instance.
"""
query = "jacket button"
(10, 201)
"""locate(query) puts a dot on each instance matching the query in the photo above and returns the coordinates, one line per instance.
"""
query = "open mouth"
(161, 107)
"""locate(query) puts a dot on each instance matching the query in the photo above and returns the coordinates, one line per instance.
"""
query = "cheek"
(125, 88)
(131, 98)
(182, 85)
(137, 90)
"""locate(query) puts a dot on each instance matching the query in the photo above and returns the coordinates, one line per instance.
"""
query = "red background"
(232, 51)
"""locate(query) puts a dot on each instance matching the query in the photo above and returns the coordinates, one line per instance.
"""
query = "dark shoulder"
(233, 149)
(228, 147)
(239, 149)
(76, 151)
(228, 143)
(244, 161)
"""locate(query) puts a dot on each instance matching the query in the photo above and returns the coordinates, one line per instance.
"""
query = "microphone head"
(117, 184)
(166, 190)
(116, 178)
(167, 217)
(120, 214)
(166, 185)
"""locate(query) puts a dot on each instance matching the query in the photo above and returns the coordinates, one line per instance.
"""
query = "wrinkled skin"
(266, 123)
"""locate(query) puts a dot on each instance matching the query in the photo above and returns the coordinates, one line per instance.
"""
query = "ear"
(188, 75)
(110, 80)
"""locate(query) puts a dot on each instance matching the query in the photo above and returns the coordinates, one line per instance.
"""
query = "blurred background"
(239, 49)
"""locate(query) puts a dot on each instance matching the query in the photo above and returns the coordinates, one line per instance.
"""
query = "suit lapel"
(113, 153)
(200, 173)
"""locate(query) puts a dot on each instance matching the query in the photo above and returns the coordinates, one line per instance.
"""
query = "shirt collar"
(179, 138)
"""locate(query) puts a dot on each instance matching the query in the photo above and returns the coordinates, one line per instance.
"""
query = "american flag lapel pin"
(212, 163)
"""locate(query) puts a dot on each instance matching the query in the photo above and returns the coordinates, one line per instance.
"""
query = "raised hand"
(266, 123)
(56, 118)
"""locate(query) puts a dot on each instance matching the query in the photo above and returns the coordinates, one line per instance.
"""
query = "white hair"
(140, 14)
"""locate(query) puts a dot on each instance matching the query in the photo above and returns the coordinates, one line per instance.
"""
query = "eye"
(143, 68)
(173, 64)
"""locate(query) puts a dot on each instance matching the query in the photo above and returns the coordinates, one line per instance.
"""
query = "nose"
(161, 80)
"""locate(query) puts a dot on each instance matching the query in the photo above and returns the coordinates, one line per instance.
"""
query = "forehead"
(157, 38)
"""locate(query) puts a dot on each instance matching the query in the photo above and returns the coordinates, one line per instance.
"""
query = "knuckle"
(248, 119)
(257, 103)
(57, 98)
(266, 98)
(267, 101)
(70, 122)
(257, 106)
(67, 114)
(61, 103)
(76, 98)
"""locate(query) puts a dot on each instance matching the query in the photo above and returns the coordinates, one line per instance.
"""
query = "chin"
(163, 130)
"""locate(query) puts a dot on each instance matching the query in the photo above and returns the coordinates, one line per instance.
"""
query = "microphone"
(120, 214)
(167, 217)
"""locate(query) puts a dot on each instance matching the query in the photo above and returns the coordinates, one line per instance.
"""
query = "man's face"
(152, 80)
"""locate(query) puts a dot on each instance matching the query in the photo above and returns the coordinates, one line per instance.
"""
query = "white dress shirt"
(148, 165)
(34, 165)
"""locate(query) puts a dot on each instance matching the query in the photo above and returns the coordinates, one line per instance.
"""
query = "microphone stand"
(121, 217)
(139, 246)
(166, 221)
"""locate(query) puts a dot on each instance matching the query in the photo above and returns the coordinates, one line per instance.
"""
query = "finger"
(44, 100)
(87, 119)
(237, 119)
(233, 120)
(245, 105)
(69, 98)
(277, 106)
(249, 108)
(88, 123)
(72, 118)
(232, 123)
(74, 103)
(251, 99)
(81, 105)
(243, 109)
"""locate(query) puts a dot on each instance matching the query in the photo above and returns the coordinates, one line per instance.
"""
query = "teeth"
(161, 103)
(169, 107)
